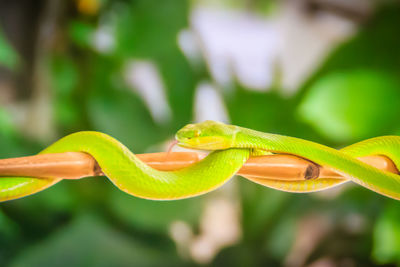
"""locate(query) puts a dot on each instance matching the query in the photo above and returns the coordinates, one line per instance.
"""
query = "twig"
(75, 165)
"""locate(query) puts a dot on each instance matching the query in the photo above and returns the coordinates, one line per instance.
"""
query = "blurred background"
(322, 70)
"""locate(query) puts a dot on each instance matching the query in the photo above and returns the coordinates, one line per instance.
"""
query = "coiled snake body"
(232, 146)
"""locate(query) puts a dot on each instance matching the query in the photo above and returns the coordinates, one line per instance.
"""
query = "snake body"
(231, 145)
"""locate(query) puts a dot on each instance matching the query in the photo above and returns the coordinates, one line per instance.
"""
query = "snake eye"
(196, 134)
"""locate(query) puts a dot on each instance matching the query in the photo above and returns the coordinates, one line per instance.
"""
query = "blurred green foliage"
(8, 56)
(347, 106)
(354, 95)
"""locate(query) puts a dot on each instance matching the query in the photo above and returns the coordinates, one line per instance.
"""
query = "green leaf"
(122, 115)
(7, 127)
(352, 105)
(8, 56)
(281, 238)
(64, 75)
(153, 215)
(386, 246)
(65, 79)
(8, 229)
(81, 33)
(89, 241)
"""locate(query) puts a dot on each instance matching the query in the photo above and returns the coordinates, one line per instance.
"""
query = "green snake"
(231, 146)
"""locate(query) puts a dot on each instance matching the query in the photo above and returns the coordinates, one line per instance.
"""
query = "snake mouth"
(187, 143)
(183, 142)
(203, 143)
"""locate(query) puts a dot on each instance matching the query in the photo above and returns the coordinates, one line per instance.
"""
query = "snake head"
(207, 135)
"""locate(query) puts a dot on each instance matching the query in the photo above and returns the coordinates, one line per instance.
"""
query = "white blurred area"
(219, 228)
(308, 34)
(238, 44)
(145, 80)
(209, 104)
(103, 40)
